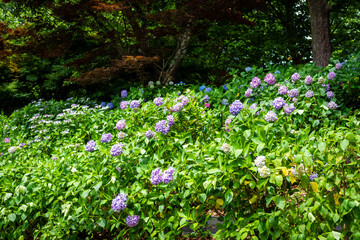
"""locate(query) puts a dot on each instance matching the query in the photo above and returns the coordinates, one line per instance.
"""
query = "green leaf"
(336, 235)
(12, 217)
(344, 144)
(321, 146)
(260, 147)
(238, 152)
(229, 196)
(85, 193)
(202, 197)
(101, 222)
(280, 202)
(284, 144)
(97, 186)
(278, 180)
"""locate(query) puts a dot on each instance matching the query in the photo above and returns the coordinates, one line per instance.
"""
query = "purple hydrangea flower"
(253, 106)
(167, 175)
(227, 122)
(124, 94)
(177, 107)
(270, 116)
(162, 127)
(170, 120)
(156, 176)
(206, 98)
(159, 101)
(124, 104)
(236, 107)
(283, 90)
(202, 88)
(308, 80)
(270, 79)
(330, 94)
(116, 150)
(327, 86)
(293, 93)
(120, 124)
(90, 146)
(331, 75)
(149, 134)
(255, 82)
(332, 105)
(295, 77)
(6, 140)
(278, 103)
(225, 87)
(312, 176)
(135, 104)
(338, 66)
(309, 94)
(132, 221)
(185, 101)
(248, 92)
(110, 105)
(106, 137)
(119, 203)
(289, 108)
(208, 89)
(22, 145)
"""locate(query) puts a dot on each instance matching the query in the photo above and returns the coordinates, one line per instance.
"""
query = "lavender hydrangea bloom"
(293, 93)
(309, 94)
(270, 79)
(135, 104)
(159, 101)
(338, 66)
(278, 103)
(124, 104)
(253, 106)
(124, 94)
(330, 94)
(206, 98)
(225, 87)
(171, 120)
(255, 82)
(295, 77)
(332, 105)
(327, 86)
(331, 75)
(106, 137)
(289, 108)
(236, 107)
(6, 140)
(208, 89)
(185, 101)
(120, 124)
(116, 150)
(119, 203)
(90, 146)
(110, 105)
(308, 80)
(270, 117)
(202, 88)
(283, 90)
(167, 175)
(177, 107)
(312, 176)
(149, 134)
(248, 92)
(160, 125)
(132, 221)
(156, 176)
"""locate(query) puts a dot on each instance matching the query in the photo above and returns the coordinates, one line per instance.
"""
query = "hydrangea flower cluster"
(321, 80)
(159, 101)
(225, 147)
(135, 104)
(11, 150)
(331, 75)
(259, 161)
(120, 124)
(185, 100)
(90, 146)
(264, 172)
(312, 176)
(119, 203)
(270, 79)
(225, 102)
(332, 105)
(236, 107)
(293, 93)
(161, 126)
(177, 107)
(327, 86)
(208, 90)
(283, 90)
(308, 80)
(167, 175)
(253, 106)
(270, 116)
(255, 82)
(247, 69)
(206, 98)
(132, 221)
(158, 176)
(338, 66)
(330, 94)
(124, 104)
(149, 134)
(227, 122)
(121, 135)
(298, 171)
(278, 103)
(6, 140)
(106, 137)
(116, 150)
(202, 88)
(170, 120)
(309, 94)
(289, 108)
(248, 92)
(295, 77)
(124, 94)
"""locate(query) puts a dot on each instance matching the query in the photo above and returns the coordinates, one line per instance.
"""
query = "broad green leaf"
(229, 196)
(321, 146)
(85, 193)
(12, 217)
(97, 186)
(344, 144)
(202, 197)
(280, 202)
(336, 235)
(101, 222)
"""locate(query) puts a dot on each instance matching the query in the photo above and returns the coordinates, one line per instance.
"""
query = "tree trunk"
(320, 31)
(179, 55)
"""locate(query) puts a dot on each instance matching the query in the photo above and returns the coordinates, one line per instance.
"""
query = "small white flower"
(152, 86)
(171, 83)
(12, 150)
(151, 83)
(225, 147)
(158, 82)
(73, 169)
(260, 161)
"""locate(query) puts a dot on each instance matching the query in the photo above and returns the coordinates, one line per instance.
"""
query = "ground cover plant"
(273, 153)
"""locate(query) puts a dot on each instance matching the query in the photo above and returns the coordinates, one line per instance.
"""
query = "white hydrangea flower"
(260, 161)
(225, 147)
(264, 172)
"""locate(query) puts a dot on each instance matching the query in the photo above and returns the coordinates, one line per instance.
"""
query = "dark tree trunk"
(320, 31)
